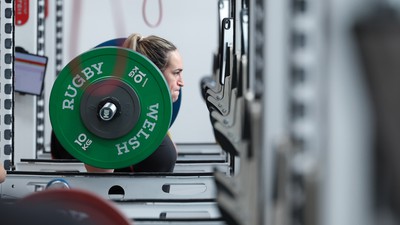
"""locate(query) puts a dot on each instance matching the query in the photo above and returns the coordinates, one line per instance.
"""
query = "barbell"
(110, 107)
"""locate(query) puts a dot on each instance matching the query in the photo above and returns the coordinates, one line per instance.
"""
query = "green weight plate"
(110, 78)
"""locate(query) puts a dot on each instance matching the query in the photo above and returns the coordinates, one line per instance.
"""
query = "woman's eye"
(177, 73)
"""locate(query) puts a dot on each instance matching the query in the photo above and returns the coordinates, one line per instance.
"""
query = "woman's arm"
(176, 148)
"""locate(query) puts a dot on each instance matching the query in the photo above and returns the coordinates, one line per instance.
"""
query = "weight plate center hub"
(110, 108)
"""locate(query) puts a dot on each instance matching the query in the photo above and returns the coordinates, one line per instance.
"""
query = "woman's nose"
(180, 82)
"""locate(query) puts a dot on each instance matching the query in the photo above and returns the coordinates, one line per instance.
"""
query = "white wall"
(25, 105)
(189, 24)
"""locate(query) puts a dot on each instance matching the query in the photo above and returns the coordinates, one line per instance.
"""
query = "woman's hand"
(92, 169)
(3, 173)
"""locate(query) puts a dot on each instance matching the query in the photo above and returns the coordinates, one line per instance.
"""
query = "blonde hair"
(155, 48)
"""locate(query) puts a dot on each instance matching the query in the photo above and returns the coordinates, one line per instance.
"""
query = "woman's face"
(173, 74)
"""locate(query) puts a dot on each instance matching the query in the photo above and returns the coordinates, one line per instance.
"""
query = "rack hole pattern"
(6, 83)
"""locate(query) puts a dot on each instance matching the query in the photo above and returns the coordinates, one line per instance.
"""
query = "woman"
(166, 57)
